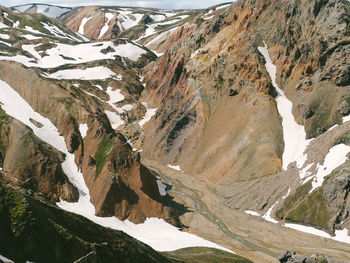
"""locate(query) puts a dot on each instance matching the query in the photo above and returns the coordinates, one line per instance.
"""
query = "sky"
(165, 4)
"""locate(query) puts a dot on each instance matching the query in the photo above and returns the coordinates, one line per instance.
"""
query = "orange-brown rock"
(119, 184)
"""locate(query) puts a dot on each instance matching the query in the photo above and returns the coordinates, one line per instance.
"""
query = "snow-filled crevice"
(154, 231)
(295, 144)
(294, 135)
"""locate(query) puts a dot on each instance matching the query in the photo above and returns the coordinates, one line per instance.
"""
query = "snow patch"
(294, 134)
(5, 43)
(32, 30)
(267, 215)
(340, 235)
(114, 119)
(114, 95)
(105, 28)
(94, 73)
(31, 37)
(223, 6)
(5, 259)
(83, 128)
(175, 167)
(253, 213)
(2, 25)
(4, 36)
(128, 19)
(209, 17)
(285, 196)
(336, 156)
(83, 53)
(127, 107)
(149, 114)
(82, 25)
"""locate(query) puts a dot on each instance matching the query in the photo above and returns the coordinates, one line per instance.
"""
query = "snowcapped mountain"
(225, 128)
(44, 9)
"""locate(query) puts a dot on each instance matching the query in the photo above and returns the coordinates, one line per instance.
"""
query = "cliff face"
(214, 100)
(217, 116)
(225, 85)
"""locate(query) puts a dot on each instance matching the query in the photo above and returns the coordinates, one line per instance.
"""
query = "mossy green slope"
(34, 231)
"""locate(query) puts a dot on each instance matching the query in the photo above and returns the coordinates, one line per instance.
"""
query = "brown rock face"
(214, 135)
(93, 26)
(227, 136)
(33, 164)
(119, 185)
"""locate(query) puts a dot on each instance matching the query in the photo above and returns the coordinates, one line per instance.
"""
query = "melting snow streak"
(294, 134)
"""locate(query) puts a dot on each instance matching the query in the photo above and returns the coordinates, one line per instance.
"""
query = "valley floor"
(249, 236)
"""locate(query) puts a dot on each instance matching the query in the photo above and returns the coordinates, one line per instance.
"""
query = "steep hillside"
(26, 224)
(96, 22)
(223, 118)
(119, 185)
(231, 122)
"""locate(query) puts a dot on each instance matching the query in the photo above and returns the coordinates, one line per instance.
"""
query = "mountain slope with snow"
(183, 127)
(47, 10)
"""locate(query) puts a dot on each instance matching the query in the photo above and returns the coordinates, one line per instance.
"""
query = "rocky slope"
(119, 185)
(47, 10)
(27, 223)
(96, 22)
(217, 115)
(210, 108)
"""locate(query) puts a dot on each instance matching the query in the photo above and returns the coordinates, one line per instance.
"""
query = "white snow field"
(94, 73)
(267, 215)
(105, 28)
(114, 119)
(128, 19)
(83, 128)
(30, 37)
(155, 232)
(253, 213)
(5, 259)
(336, 156)
(47, 10)
(115, 96)
(82, 25)
(76, 54)
(54, 30)
(2, 25)
(149, 114)
(175, 167)
(340, 235)
(4, 36)
(294, 134)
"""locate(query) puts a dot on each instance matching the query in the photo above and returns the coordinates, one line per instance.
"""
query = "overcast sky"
(166, 4)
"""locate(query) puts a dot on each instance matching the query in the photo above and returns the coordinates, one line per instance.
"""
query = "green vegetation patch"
(204, 255)
(293, 200)
(312, 211)
(3, 120)
(34, 231)
(105, 147)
